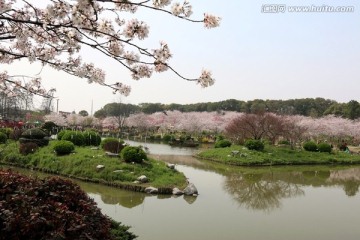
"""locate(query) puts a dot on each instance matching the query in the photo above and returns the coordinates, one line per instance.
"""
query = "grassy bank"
(82, 165)
(276, 155)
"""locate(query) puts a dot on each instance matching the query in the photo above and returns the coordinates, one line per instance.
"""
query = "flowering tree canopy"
(54, 31)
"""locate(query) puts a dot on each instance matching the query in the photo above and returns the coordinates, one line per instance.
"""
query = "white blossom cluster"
(205, 79)
(55, 34)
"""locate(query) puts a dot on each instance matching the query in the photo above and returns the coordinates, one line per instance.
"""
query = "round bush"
(222, 143)
(3, 137)
(62, 147)
(7, 131)
(133, 154)
(27, 148)
(77, 138)
(324, 147)
(310, 146)
(167, 138)
(252, 144)
(62, 133)
(110, 139)
(92, 138)
(113, 145)
(34, 133)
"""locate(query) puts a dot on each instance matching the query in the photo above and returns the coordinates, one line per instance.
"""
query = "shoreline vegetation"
(281, 155)
(83, 164)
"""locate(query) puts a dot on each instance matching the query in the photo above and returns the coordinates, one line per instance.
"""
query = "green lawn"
(82, 164)
(276, 155)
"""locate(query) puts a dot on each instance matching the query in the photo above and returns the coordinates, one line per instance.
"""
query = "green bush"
(7, 131)
(34, 133)
(114, 146)
(133, 154)
(220, 137)
(324, 147)
(3, 137)
(222, 143)
(167, 138)
(62, 133)
(252, 144)
(310, 146)
(62, 147)
(92, 138)
(77, 138)
(27, 148)
(110, 139)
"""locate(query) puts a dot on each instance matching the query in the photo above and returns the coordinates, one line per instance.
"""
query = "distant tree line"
(312, 107)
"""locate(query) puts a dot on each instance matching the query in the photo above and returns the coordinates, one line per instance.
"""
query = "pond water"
(290, 203)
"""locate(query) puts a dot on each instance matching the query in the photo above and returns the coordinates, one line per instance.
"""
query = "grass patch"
(83, 161)
(276, 155)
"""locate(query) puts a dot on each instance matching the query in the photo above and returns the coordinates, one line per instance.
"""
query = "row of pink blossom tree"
(329, 128)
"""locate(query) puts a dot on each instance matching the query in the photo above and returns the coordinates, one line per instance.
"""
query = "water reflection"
(259, 192)
(264, 189)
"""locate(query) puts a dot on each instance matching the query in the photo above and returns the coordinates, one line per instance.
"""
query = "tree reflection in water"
(257, 192)
(264, 189)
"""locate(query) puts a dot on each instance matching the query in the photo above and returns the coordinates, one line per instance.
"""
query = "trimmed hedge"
(34, 133)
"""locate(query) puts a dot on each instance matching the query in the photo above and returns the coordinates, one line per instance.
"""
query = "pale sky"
(252, 55)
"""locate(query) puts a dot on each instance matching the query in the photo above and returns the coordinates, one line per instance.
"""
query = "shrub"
(222, 143)
(3, 137)
(133, 154)
(62, 133)
(167, 138)
(324, 147)
(62, 147)
(52, 208)
(310, 146)
(113, 145)
(34, 133)
(27, 148)
(284, 142)
(220, 137)
(7, 131)
(49, 127)
(252, 144)
(91, 138)
(40, 142)
(16, 134)
(77, 138)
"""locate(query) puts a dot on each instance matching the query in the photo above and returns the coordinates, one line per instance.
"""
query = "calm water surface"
(277, 203)
(242, 203)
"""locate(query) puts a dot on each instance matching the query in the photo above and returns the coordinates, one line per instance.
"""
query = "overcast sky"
(252, 55)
